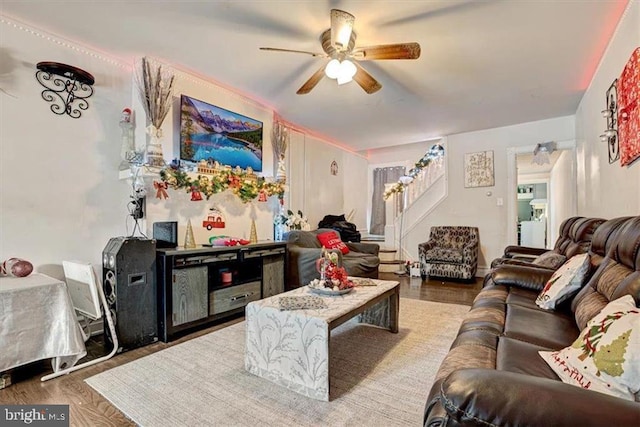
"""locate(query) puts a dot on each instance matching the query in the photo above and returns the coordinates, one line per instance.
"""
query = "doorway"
(533, 212)
(540, 197)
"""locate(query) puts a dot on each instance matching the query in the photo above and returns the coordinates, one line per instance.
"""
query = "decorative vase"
(154, 152)
(278, 232)
(281, 174)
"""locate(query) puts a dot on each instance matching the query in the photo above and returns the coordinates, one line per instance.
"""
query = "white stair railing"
(420, 195)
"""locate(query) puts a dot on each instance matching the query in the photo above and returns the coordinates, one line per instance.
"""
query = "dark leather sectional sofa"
(575, 238)
(493, 374)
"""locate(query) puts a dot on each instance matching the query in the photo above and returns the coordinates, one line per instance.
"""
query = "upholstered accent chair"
(451, 252)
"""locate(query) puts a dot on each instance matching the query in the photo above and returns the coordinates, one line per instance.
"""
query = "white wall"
(562, 193)
(354, 175)
(606, 190)
(60, 192)
(60, 197)
(475, 206)
(317, 192)
(179, 207)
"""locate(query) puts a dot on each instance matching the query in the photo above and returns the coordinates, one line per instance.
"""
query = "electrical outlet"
(138, 208)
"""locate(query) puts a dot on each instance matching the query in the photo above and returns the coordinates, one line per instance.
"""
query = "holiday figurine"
(127, 151)
(189, 240)
(253, 236)
(196, 196)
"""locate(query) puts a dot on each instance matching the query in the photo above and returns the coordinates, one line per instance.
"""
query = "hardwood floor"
(88, 408)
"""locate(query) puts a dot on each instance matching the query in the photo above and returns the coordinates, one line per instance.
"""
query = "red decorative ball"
(17, 267)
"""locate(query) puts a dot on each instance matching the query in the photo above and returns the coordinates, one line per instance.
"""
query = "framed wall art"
(629, 110)
(478, 169)
(213, 134)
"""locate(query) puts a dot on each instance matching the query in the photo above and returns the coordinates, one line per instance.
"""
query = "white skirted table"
(37, 321)
(291, 347)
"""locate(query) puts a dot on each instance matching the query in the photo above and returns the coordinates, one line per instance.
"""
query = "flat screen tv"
(214, 134)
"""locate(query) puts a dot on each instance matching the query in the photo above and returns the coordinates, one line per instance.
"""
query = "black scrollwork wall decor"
(610, 135)
(66, 87)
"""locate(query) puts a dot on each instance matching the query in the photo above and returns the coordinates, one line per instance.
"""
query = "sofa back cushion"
(580, 236)
(617, 275)
(563, 237)
(304, 239)
(454, 237)
(603, 239)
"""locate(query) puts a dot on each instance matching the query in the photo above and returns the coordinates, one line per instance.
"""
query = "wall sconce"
(610, 135)
(66, 87)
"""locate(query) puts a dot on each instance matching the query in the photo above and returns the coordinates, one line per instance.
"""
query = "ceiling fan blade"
(276, 49)
(341, 29)
(312, 82)
(366, 80)
(388, 51)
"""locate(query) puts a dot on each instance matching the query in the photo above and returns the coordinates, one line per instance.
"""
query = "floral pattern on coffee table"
(291, 348)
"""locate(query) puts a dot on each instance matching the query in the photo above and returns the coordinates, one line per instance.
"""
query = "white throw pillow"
(565, 282)
(606, 355)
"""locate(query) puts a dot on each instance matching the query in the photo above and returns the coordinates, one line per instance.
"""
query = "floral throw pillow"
(550, 260)
(606, 355)
(564, 283)
(331, 240)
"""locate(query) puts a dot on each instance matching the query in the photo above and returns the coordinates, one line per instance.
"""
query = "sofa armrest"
(367, 248)
(425, 246)
(470, 253)
(513, 251)
(481, 397)
(524, 277)
(302, 265)
(510, 261)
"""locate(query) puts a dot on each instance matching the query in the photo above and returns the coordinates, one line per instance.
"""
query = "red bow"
(161, 189)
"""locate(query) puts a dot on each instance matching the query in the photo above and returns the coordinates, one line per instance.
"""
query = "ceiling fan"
(338, 43)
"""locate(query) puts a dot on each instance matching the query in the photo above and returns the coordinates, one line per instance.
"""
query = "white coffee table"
(291, 348)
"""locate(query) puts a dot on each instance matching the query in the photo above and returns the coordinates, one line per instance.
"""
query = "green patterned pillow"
(606, 355)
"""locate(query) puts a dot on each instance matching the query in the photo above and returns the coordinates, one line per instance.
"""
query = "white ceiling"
(484, 63)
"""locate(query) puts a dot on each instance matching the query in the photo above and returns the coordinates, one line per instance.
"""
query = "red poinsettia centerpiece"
(331, 275)
(337, 276)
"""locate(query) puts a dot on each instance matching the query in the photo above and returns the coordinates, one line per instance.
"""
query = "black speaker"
(129, 282)
(166, 234)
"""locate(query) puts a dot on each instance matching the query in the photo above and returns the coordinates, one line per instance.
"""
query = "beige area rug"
(377, 378)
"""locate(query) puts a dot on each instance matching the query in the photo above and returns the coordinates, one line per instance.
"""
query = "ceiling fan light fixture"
(542, 151)
(341, 71)
(341, 28)
(347, 69)
(332, 70)
(342, 79)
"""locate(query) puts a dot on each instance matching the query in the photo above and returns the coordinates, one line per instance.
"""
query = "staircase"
(406, 210)
(389, 262)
